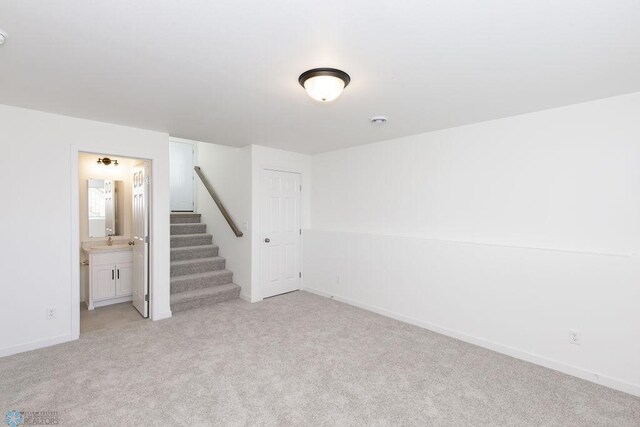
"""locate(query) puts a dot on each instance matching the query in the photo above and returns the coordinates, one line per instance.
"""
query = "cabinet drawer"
(111, 258)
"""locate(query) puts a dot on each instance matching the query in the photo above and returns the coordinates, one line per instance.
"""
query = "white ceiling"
(226, 71)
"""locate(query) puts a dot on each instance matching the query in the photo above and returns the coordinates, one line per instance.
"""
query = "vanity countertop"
(99, 249)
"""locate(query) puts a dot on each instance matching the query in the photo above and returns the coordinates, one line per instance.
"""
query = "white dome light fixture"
(324, 84)
(3, 37)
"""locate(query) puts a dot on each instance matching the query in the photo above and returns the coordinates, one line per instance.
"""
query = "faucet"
(110, 241)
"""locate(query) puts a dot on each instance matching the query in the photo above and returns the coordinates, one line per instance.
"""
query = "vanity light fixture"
(324, 84)
(107, 161)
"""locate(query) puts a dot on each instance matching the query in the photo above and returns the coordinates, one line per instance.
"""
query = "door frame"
(195, 163)
(154, 285)
(258, 221)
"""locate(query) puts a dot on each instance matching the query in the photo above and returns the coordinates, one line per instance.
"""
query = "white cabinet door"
(181, 162)
(103, 282)
(124, 279)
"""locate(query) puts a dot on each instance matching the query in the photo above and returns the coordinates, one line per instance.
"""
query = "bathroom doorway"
(114, 234)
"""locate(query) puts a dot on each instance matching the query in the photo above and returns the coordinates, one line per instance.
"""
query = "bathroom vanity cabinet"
(110, 275)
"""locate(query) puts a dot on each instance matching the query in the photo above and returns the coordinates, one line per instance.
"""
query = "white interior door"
(140, 238)
(280, 233)
(181, 176)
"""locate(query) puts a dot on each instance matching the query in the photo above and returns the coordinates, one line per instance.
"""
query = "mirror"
(105, 210)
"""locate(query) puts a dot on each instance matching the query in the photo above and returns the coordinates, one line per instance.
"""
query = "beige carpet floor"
(297, 359)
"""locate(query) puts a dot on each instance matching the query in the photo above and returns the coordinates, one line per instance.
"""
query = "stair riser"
(197, 267)
(179, 229)
(195, 253)
(191, 284)
(205, 301)
(181, 242)
(184, 219)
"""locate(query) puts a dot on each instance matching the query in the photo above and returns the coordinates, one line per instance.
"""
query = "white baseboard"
(573, 370)
(162, 315)
(34, 345)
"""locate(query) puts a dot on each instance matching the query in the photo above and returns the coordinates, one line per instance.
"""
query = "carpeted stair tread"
(194, 247)
(190, 236)
(197, 265)
(206, 296)
(215, 273)
(183, 240)
(195, 261)
(188, 228)
(193, 252)
(184, 218)
(191, 282)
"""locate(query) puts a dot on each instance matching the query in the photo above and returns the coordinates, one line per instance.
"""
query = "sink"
(110, 248)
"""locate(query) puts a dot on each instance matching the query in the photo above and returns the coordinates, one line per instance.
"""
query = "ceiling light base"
(324, 84)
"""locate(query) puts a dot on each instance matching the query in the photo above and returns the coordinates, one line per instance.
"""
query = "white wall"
(40, 250)
(505, 233)
(228, 169)
(269, 158)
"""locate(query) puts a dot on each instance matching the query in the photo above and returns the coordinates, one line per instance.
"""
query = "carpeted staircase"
(198, 274)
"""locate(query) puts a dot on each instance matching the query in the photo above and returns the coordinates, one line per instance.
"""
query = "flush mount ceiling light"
(107, 161)
(3, 37)
(324, 84)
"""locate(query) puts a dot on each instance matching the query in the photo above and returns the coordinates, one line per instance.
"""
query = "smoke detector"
(378, 120)
(3, 37)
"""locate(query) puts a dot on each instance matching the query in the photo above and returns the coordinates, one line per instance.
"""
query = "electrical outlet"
(575, 336)
(51, 313)
(338, 279)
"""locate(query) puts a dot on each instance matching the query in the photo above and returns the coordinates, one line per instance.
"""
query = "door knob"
(267, 240)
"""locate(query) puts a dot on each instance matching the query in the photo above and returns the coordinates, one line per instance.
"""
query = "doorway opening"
(182, 178)
(114, 214)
